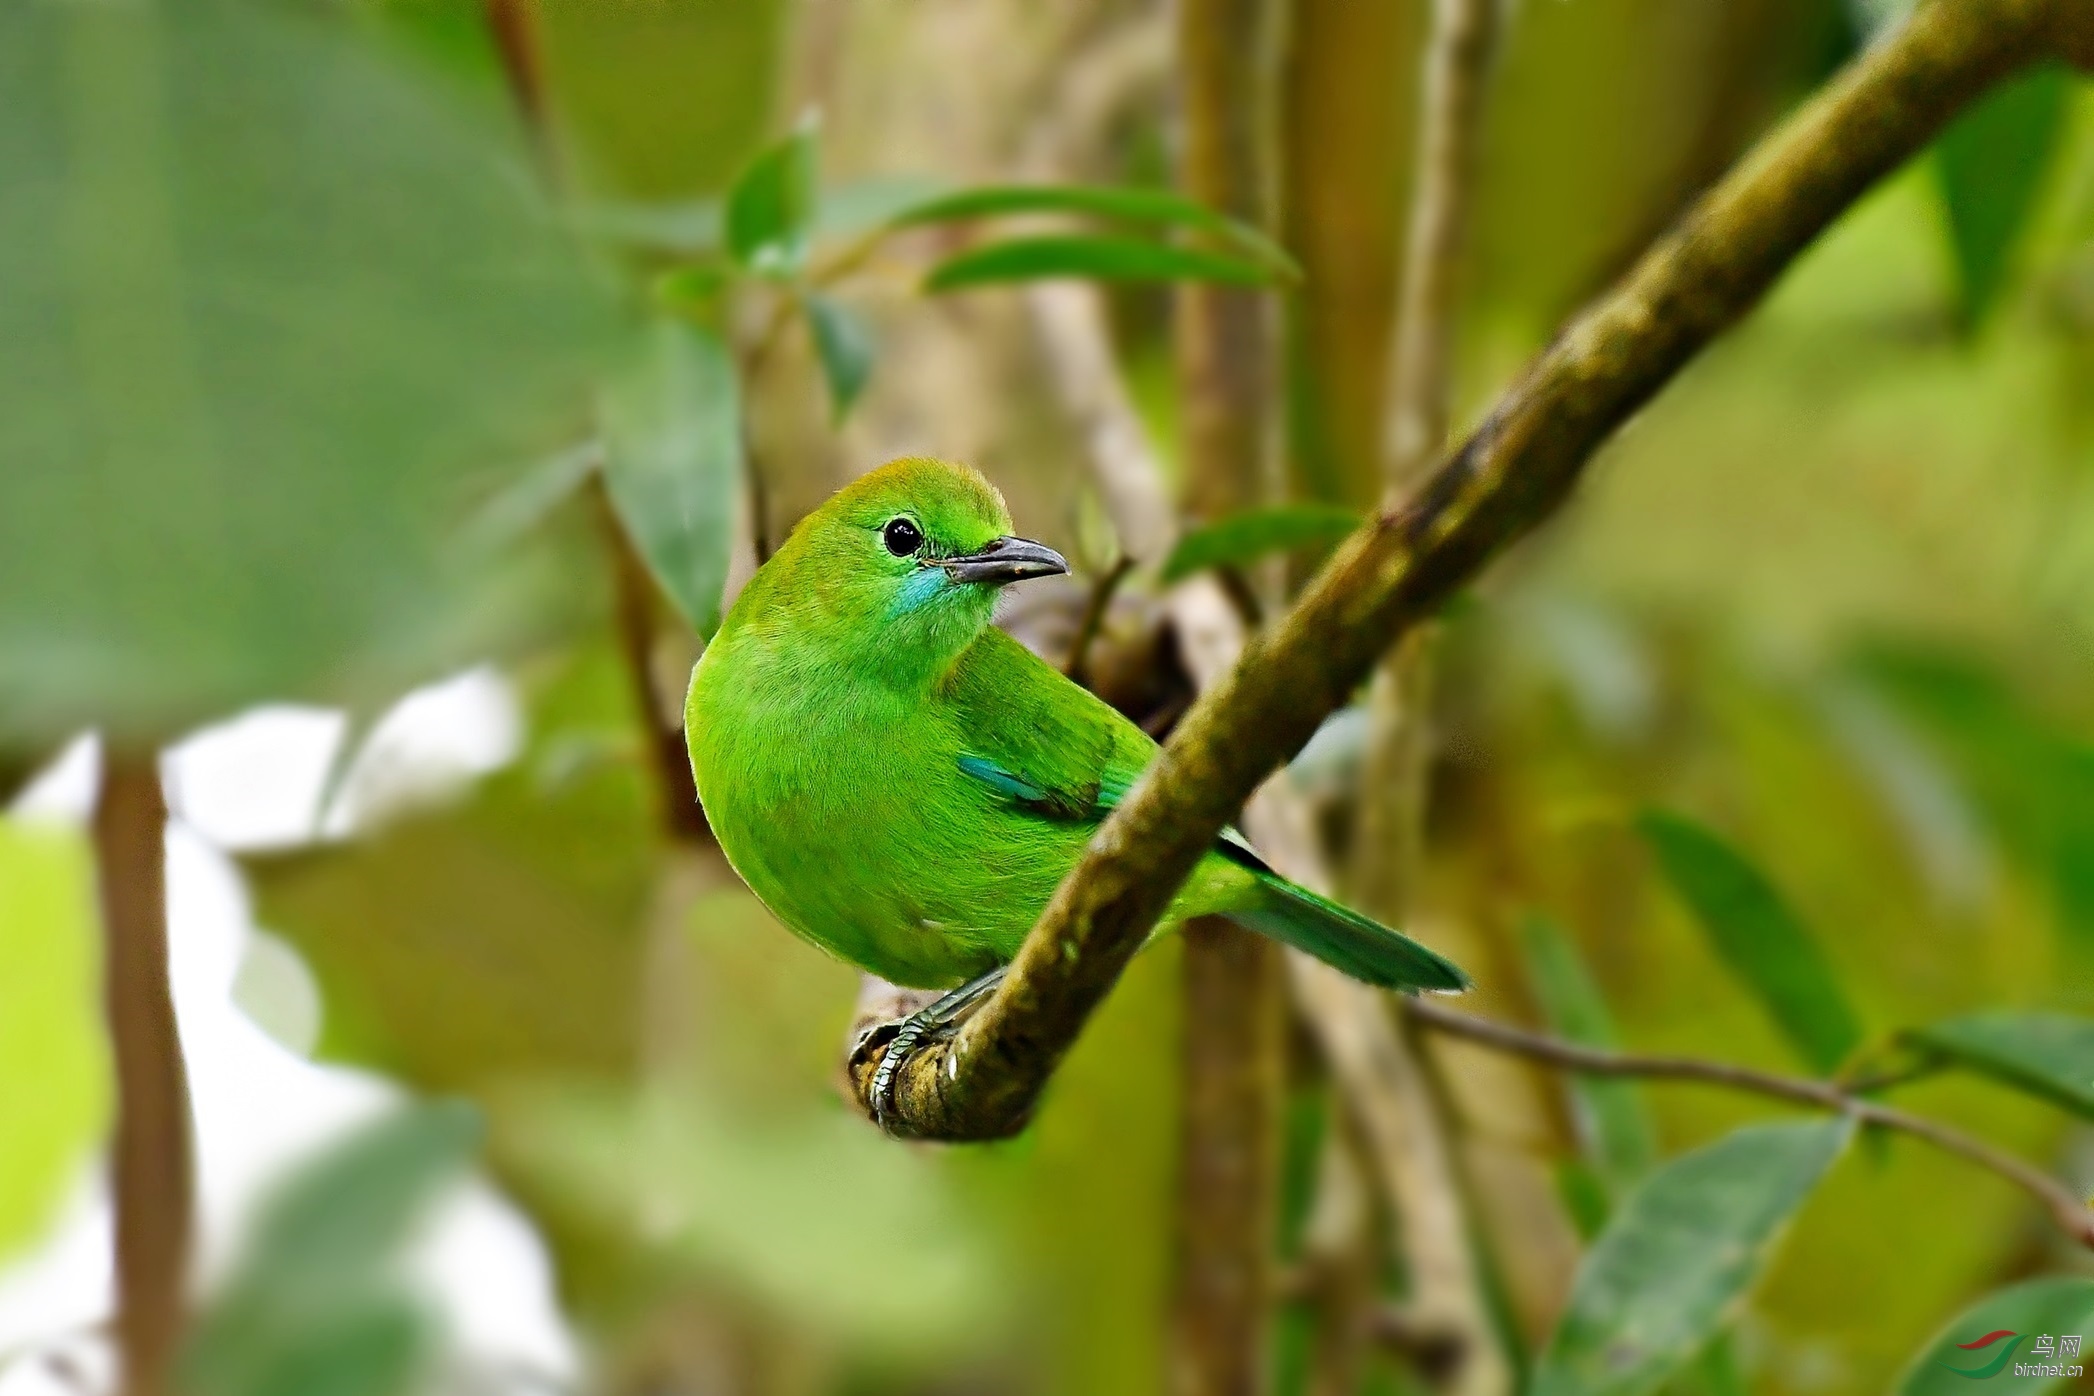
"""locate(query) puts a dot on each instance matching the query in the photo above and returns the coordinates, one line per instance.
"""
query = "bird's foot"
(902, 1036)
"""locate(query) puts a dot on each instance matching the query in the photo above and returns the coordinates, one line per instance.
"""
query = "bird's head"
(909, 558)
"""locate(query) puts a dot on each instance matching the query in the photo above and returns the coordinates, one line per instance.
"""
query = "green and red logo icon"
(2005, 1339)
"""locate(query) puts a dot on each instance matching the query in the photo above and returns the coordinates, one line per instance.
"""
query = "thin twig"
(1403, 565)
(1102, 591)
(1449, 132)
(634, 607)
(2072, 1215)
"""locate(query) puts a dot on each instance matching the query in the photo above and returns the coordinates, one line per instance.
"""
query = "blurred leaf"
(1614, 1127)
(2045, 1054)
(1990, 164)
(1680, 1253)
(2055, 1305)
(530, 500)
(771, 208)
(1097, 257)
(815, 1213)
(347, 1215)
(1713, 1372)
(685, 228)
(270, 296)
(1246, 537)
(659, 103)
(1130, 204)
(1758, 936)
(2034, 781)
(318, 1304)
(691, 288)
(672, 461)
(54, 1068)
(1585, 1196)
(372, 1346)
(458, 946)
(845, 347)
(857, 206)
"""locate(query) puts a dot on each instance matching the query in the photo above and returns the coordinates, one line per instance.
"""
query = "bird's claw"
(903, 1036)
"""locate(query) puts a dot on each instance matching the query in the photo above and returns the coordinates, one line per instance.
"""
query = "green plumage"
(905, 785)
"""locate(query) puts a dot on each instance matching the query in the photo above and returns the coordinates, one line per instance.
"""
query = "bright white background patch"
(260, 781)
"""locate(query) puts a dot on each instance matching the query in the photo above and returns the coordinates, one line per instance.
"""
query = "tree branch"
(2072, 1215)
(1510, 474)
(1103, 589)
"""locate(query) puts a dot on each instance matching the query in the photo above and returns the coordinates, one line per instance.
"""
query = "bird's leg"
(903, 1037)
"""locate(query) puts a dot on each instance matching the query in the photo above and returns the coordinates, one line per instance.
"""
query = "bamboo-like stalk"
(1435, 1238)
(1232, 1054)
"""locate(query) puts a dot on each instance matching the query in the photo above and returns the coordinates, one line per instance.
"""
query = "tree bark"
(150, 1164)
(1403, 564)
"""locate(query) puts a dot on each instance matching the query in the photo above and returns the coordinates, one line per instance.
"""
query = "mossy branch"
(1509, 475)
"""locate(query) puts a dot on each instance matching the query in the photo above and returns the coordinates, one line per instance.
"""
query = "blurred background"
(391, 390)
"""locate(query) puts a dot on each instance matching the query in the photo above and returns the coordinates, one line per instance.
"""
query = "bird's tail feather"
(1344, 939)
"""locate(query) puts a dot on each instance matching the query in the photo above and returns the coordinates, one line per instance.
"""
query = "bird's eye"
(902, 537)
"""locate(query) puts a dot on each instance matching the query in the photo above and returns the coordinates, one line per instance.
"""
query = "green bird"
(904, 785)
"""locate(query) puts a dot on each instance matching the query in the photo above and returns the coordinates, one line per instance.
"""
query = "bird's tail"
(1342, 938)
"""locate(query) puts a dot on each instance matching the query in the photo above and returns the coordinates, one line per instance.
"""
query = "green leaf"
(1098, 257)
(1585, 1195)
(776, 1200)
(349, 1214)
(2046, 1054)
(54, 1068)
(659, 103)
(314, 1307)
(1990, 164)
(855, 207)
(1614, 1128)
(375, 1348)
(672, 463)
(845, 347)
(1246, 537)
(2033, 778)
(272, 298)
(1131, 205)
(544, 870)
(1684, 1248)
(1758, 936)
(693, 288)
(2057, 1305)
(771, 208)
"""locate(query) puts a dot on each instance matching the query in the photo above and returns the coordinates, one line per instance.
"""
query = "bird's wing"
(1050, 746)
(1055, 751)
(1045, 744)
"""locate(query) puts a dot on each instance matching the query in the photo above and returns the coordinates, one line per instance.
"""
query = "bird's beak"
(1006, 560)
